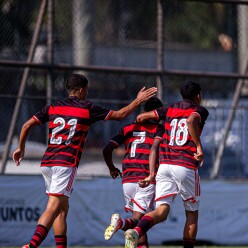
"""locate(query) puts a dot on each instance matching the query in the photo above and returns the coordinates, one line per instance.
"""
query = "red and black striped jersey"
(69, 121)
(178, 147)
(137, 139)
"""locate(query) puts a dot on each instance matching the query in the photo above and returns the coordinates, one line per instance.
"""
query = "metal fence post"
(160, 47)
(22, 87)
(243, 69)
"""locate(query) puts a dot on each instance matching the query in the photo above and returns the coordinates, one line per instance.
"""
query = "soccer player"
(180, 156)
(69, 121)
(138, 140)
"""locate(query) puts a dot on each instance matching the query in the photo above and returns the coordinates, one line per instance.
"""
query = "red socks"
(61, 241)
(129, 224)
(188, 243)
(143, 245)
(39, 235)
(144, 225)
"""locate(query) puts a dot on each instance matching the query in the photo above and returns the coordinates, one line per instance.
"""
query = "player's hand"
(145, 182)
(144, 94)
(18, 155)
(139, 119)
(115, 172)
(199, 155)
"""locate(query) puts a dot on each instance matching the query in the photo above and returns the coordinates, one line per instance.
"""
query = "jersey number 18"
(179, 132)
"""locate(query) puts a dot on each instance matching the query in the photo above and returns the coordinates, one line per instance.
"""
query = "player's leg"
(41, 231)
(59, 184)
(166, 190)
(62, 184)
(46, 220)
(117, 223)
(60, 227)
(190, 229)
(143, 203)
(143, 241)
(53, 209)
(189, 188)
(133, 236)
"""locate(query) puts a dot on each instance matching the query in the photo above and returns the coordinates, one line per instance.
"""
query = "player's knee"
(163, 218)
(192, 216)
(163, 211)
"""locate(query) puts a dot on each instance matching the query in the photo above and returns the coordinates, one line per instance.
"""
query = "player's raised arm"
(18, 154)
(107, 154)
(142, 96)
(193, 127)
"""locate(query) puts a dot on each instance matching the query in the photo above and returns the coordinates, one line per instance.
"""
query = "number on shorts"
(181, 131)
(140, 140)
(56, 130)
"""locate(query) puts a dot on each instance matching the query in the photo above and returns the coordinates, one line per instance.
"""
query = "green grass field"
(165, 246)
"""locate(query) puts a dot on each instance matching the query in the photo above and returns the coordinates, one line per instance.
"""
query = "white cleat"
(113, 227)
(131, 238)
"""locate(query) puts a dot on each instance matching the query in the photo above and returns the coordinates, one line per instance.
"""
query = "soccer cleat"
(26, 246)
(131, 238)
(114, 226)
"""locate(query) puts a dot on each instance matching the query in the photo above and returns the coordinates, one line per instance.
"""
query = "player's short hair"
(76, 81)
(152, 103)
(189, 90)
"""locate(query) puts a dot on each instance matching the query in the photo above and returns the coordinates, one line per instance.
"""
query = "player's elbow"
(139, 119)
(26, 126)
(153, 153)
(118, 115)
(108, 149)
(192, 120)
(189, 121)
(105, 151)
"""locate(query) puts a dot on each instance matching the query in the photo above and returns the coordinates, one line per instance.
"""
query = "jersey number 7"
(141, 136)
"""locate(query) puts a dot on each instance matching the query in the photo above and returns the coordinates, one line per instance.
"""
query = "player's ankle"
(121, 223)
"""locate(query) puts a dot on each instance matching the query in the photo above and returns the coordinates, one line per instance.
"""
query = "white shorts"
(172, 180)
(59, 180)
(137, 198)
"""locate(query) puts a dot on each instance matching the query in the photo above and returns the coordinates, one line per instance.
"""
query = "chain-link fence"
(121, 46)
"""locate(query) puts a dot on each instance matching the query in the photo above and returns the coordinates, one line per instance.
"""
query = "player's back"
(178, 146)
(69, 122)
(138, 140)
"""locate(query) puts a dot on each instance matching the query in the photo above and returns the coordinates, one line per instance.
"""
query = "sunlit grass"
(165, 246)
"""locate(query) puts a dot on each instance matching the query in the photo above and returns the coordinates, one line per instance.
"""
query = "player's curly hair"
(189, 90)
(152, 103)
(75, 81)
